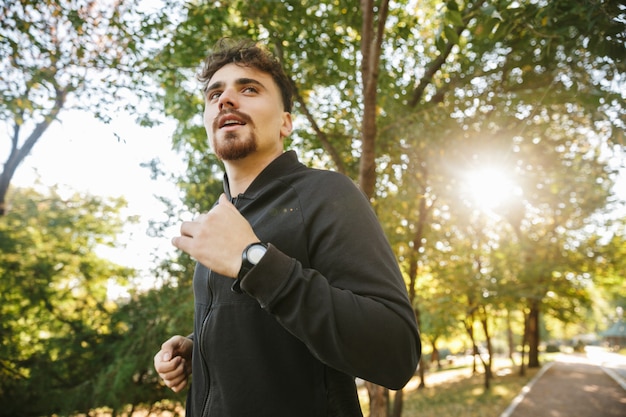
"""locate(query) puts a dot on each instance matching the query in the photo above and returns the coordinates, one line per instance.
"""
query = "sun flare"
(489, 188)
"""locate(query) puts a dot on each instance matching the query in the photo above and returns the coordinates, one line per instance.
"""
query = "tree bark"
(398, 403)
(379, 400)
(533, 335)
(371, 44)
(488, 364)
(510, 341)
(522, 369)
(423, 212)
(469, 328)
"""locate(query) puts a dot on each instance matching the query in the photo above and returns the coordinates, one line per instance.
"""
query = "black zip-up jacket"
(325, 304)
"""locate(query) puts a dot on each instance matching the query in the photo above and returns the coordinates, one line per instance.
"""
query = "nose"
(227, 99)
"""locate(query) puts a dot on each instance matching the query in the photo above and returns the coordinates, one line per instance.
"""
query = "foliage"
(64, 54)
(56, 317)
(500, 91)
(531, 90)
(141, 324)
(607, 266)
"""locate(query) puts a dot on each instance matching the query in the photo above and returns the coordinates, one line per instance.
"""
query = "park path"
(585, 385)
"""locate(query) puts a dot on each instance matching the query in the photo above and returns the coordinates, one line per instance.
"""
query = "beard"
(233, 147)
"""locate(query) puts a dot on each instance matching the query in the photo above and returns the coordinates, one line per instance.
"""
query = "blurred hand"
(173, 362)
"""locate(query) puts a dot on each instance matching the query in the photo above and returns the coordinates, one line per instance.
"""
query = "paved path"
(589, 385)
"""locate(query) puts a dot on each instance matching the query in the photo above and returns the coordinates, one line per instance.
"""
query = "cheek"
(208, 127)
(208, 118)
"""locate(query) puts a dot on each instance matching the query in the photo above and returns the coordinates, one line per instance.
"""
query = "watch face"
(255, 253)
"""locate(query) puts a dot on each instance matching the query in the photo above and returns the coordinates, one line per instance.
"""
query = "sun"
(489, 188)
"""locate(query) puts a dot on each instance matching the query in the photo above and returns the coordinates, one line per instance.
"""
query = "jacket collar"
(283, 164)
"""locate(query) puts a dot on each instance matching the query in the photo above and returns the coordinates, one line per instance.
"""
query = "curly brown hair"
(247, 53)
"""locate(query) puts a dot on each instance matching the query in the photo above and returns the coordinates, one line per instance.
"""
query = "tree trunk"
(420, 372)
(371, 44)
(379, 400)
(398, 403)
(510, 340)
(17, 154)
(469, 328)
(424, 210)
(488, 364)
(533, 335)
(522, 369)
(435, 356)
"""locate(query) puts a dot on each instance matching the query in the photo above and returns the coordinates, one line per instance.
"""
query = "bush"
(553, 348)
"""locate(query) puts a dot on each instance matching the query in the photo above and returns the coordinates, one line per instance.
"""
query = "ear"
(287, 125)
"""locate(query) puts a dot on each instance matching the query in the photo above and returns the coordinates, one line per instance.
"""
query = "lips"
(231, 119)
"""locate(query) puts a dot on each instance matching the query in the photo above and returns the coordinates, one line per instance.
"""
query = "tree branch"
(17, 154)
(436, 65)
(322, 136)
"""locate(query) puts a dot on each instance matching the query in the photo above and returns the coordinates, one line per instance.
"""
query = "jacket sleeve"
(350, 306)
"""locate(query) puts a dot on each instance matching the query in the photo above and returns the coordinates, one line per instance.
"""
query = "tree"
(481, 73)
(56, 316)
(58, 55)
(456, 86)
(128, 380)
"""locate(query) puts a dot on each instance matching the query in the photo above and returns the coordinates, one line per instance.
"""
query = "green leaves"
(53, 298)
(535, 88)
(66, 54)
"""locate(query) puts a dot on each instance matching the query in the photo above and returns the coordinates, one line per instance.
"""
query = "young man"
(297, 291)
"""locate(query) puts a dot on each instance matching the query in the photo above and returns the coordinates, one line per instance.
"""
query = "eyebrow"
(240, 81)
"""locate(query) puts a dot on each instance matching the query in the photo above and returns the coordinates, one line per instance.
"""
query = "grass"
(466, 398)
(463, 396)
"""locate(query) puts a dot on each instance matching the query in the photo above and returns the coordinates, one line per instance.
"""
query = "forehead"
(233, 73)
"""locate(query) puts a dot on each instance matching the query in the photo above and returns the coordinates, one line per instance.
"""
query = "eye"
(213, 95)
(250, 90)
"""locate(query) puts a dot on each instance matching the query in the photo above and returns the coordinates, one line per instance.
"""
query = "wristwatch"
(251, 256)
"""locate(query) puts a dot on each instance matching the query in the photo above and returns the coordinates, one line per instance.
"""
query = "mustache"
(241, 116)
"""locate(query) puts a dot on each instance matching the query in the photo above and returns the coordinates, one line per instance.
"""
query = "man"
(297, 291)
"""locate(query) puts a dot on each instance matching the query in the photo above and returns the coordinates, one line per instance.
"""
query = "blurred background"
(488, 136)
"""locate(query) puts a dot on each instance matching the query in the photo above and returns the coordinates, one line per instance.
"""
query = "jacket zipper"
(204, 354)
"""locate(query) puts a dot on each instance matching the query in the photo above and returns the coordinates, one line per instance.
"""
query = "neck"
(242, 172)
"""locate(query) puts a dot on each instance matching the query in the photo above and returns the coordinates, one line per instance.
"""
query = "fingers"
(177, 378)
(182, 242)
(217, 238)
(172, 371)
(170, 362)
(188, 228)
(224, 201)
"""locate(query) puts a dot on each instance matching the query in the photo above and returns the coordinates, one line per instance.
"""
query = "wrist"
(250, 257)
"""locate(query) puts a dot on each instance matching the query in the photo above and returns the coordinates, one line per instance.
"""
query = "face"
(244, 113)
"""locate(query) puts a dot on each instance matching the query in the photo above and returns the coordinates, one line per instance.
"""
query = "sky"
(78, 153)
